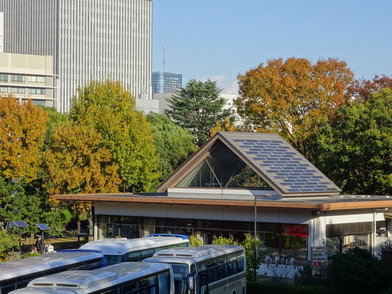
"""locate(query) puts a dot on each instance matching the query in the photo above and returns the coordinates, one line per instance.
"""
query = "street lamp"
(255, 233)
(254, 238)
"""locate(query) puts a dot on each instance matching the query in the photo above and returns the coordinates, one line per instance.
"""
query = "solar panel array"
(282, 164)
(20, 224)
(43, 227)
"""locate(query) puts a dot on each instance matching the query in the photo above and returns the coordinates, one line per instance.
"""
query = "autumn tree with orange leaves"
(293, 97)
(77, 163)
(22, 130)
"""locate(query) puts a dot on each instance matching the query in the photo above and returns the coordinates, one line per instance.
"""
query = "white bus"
(18, 273)
(116, 250)
(122, 278)
(210, 269)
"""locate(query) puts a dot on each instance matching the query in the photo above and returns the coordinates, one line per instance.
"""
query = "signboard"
(319, 256)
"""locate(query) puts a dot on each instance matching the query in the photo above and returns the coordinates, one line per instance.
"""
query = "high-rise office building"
(88, 39)
(166, 82)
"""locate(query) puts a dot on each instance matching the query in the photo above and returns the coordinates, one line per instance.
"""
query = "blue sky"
(219, 39)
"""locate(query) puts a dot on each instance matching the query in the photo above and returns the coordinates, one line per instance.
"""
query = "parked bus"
(17, 274)
(210, 269)
(126, 277)
(116, 250)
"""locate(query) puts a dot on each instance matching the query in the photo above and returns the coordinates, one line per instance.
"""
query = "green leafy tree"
(125, 132)
(16, 206)
(355, 151)
(293, 97)
(197, 108)
(22, 129)
(56, 119)
(173, 144)
(195, 241)
(57, 218)
(219, 240)
(253, 260)
(7, 242)
(357, 269)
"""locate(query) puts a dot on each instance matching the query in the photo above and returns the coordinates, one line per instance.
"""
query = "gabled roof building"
(240, 183)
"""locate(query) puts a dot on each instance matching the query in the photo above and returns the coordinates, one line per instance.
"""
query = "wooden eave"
(314, 205)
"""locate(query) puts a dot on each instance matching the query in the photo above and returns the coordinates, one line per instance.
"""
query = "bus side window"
(129, 288)
(211, 270)
(149, 285)
(203, 282)
(110, 291)
(222, 267)
(241, 263)
(133, 256)
(231, 265)
(147, 253)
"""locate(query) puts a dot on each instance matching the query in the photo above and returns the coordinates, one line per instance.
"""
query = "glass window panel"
(18, 90)
(3, 78)
(17, 78)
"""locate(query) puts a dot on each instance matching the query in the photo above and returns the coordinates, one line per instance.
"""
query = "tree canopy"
(125, 132)
(77, 162)
(355, 151)
(197, 108)
(173, 144)
(22, 129)
(293, 97)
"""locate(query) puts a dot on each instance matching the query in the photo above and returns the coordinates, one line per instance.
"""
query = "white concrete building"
(26, 77)
(229, 104)
(88, 39)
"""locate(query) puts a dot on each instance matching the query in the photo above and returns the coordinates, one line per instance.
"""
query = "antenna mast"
(164, 58)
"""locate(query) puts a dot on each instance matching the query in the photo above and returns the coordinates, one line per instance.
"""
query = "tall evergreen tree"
(198, 107)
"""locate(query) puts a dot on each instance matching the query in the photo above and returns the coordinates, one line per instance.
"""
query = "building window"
(36, 79)
(18, 90)
(18, 78)
(3, 78)
(39, 102)
(3, 90)
(37, 91)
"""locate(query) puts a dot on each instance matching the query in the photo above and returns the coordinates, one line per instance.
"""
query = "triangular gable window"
(223, 169)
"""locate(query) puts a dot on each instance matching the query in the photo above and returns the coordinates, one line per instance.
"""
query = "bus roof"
(196, 253)
(84, 279)
(120, 246)
(185, 237)
(15, 268)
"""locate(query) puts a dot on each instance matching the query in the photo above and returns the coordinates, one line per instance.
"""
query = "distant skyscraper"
(88, 39)
(166, 82)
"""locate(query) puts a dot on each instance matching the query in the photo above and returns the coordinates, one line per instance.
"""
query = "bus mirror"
(191, 283)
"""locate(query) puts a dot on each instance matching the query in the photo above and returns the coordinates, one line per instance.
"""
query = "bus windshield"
(180, 273)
